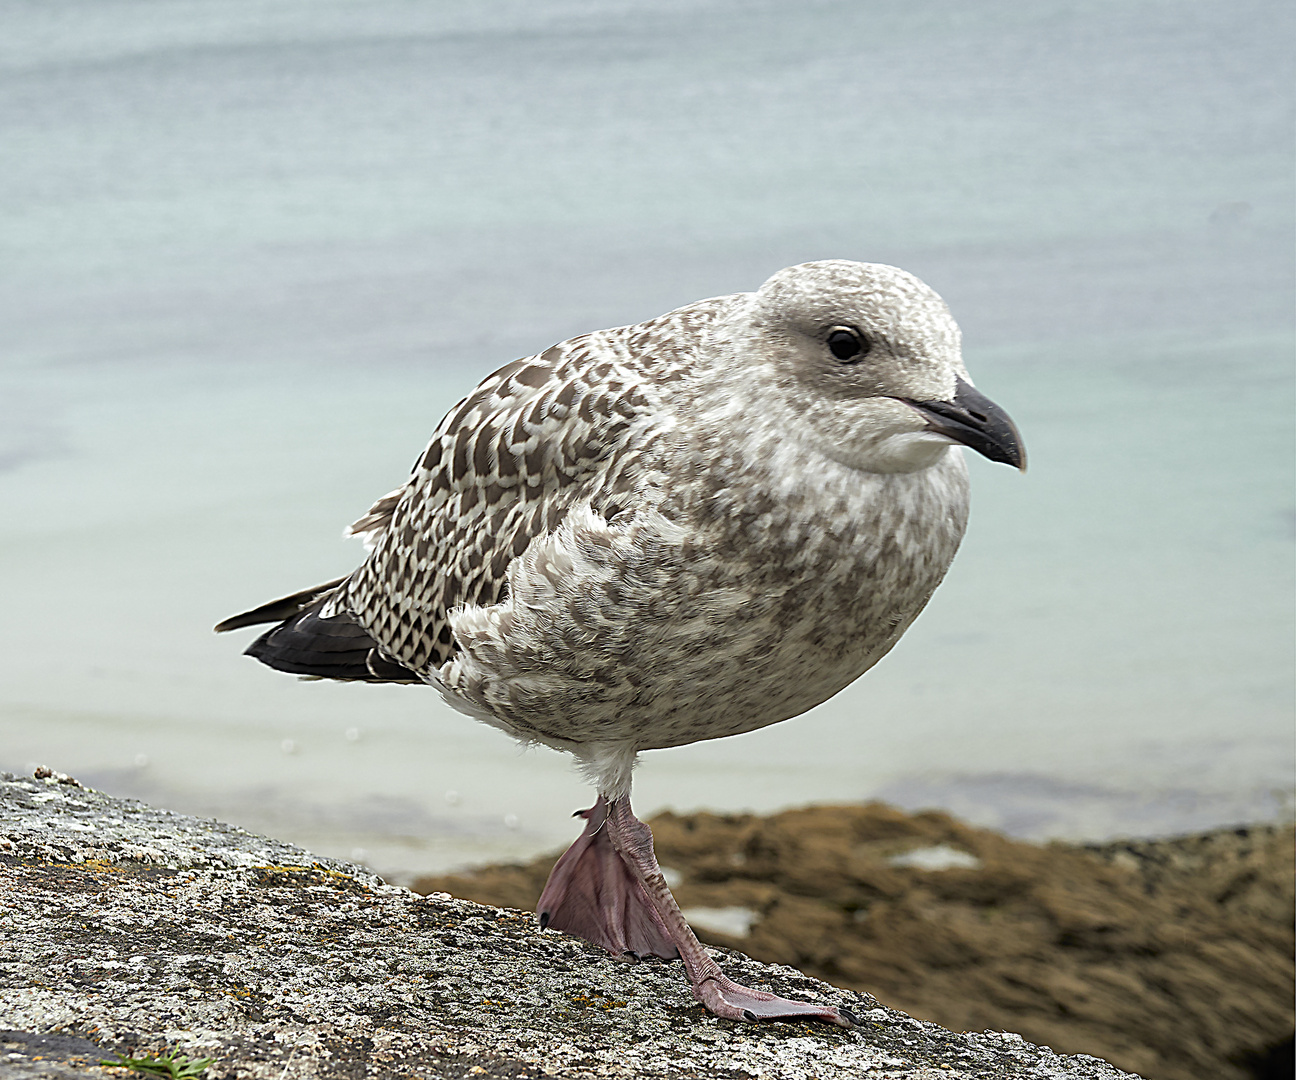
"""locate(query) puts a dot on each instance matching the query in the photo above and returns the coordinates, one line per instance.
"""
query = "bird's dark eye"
(847, 344)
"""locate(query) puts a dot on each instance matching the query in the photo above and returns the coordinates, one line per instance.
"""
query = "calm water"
(250, 253)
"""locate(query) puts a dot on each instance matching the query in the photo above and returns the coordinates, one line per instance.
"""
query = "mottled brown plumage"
(504, 468)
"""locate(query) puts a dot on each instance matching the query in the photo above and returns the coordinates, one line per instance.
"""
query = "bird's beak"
(974, 420)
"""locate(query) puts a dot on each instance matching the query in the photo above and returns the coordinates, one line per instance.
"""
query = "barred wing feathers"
(504, 467)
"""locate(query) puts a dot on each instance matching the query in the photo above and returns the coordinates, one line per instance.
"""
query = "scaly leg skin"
(578, 899)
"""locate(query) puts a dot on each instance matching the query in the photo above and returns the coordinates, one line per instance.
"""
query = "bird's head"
(868, 359)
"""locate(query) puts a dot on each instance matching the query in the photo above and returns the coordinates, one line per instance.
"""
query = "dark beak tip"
(1009, 443)
(972, 419)
(1014, 457)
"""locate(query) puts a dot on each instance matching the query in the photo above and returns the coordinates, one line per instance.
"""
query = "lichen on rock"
(133, 930)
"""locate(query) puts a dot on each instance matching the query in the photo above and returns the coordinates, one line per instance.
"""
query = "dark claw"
(544, 919)
(855, 1020)
(749, 1015)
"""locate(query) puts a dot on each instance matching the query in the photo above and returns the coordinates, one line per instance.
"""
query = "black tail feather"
(278, 610)
(305, 644)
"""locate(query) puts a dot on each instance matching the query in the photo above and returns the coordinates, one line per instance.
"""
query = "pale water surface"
(250, 253)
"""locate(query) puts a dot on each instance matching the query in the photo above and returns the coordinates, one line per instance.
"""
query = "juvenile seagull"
(657, 534)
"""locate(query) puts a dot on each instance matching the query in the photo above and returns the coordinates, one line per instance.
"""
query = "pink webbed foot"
(726, 998)
(608, 889)
(593, 894)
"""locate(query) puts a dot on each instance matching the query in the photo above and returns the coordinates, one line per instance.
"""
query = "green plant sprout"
(172, 1065)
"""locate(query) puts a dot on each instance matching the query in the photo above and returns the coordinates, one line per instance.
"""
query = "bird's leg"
(632, 841)
(594, 894)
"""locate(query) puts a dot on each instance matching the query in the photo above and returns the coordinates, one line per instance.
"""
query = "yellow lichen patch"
(272, 875)
(99, 866)
(89, 866)
(591, 1001)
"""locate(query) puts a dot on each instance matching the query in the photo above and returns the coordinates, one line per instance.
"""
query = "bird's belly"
(758, 679)
(658, 635)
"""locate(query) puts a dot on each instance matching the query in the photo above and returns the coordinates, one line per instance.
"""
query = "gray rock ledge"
(125, 929)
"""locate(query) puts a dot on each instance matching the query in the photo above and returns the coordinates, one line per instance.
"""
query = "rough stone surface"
(1171, 958)
(126, 930)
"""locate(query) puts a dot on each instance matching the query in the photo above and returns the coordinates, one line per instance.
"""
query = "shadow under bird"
(663, 533)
